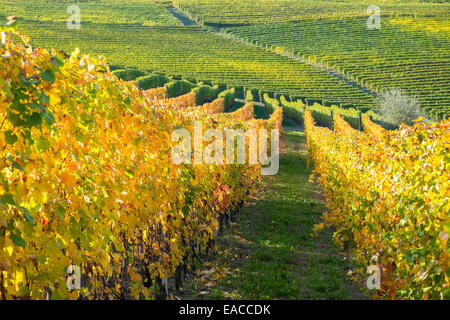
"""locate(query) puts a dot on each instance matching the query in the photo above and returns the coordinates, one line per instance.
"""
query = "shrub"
(397, 107)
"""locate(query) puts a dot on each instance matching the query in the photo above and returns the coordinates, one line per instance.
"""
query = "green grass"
(269, 253)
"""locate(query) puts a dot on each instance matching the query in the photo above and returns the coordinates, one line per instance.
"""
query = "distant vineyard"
(192, 52)
(237, 12)
(139, 12)
(410, 54)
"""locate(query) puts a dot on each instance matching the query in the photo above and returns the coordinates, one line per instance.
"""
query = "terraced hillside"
(408, 52)
(412, 54)
(193, 52)
(142, 12)
(238, 12)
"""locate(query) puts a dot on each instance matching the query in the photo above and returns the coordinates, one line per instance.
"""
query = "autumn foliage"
(159, 93)
(372, 128)
(388, 197)
(87, 179)
(246, 113)
(214, 107)
(184, 101)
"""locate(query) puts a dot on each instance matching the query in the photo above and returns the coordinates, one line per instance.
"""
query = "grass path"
(268, 252)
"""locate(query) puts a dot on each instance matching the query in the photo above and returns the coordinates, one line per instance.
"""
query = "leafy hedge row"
(87, 178)
(178, 87)
(387, 198)
(321, 114)
(228, 97)
(151, 81)
(293, 110)
(205, 93)
(128, 74)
